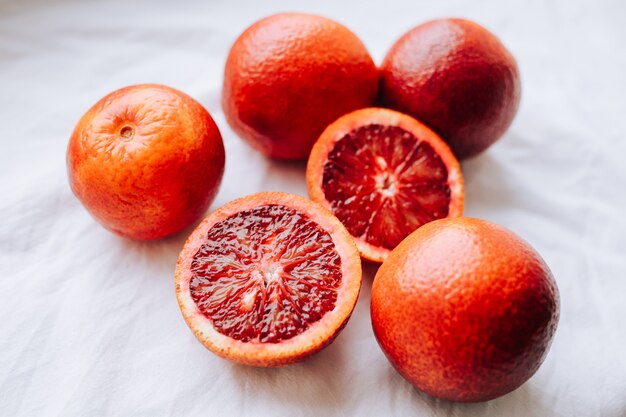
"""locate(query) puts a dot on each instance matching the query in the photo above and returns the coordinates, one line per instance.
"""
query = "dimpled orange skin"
(146, 161)
(458, 78)
(290, 75)
(464, 309)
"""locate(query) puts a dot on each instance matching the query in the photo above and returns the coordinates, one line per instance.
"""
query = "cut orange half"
(268, 279)
(384, 174)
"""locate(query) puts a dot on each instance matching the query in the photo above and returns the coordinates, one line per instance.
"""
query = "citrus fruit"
(288, 76)
(464, 309)
(146, 161)
(458, 78)
(384, 174)
(268, 279)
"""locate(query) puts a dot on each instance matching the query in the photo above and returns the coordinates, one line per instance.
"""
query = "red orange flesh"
(268, 279)
(384, 174)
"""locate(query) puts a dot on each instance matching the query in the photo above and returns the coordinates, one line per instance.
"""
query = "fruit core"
(265, 274)
(383, 182)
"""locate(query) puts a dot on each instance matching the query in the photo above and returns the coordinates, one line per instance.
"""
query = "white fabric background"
(89, 322)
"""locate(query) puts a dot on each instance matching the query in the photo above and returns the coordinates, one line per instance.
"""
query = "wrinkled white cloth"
(90, 325)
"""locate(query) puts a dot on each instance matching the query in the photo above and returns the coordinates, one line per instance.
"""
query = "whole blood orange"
(291, 74)
(458, 78)
(464, 309)
(384, 174)
(146, 161)
(268, 279)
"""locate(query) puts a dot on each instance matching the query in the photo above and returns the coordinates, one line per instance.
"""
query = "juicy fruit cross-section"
(384, 174)
(268, 279)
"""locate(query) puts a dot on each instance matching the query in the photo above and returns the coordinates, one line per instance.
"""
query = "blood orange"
(146, 161)
(464, 309)
(291, 74)
(268, 279)
(458, 78)
(384, 174)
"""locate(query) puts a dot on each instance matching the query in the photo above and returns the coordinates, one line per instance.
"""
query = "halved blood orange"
(268, 279)
(384, 174)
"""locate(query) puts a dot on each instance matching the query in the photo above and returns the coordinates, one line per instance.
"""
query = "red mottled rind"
(159, 179)
(288, 76)
(464, 309)
(458, 78)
